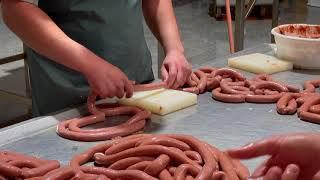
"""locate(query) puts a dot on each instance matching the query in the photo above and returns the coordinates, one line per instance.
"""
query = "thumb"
(260, 148)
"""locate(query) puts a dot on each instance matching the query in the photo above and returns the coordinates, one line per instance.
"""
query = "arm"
(161, 20)
(39, 32)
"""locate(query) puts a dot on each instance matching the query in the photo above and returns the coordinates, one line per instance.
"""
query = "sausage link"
(148, 87)
(165, 175)
(315, 109)
(166, 141)
(203, 80)
(121, 174)
(229, 98)
(263, 98)
(269, 85)
(287, 104)
(229, 90)
(241, 170)
(229, 73)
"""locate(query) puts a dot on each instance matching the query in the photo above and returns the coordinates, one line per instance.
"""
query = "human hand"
(287, 153)
(107, 80)
(175, 70)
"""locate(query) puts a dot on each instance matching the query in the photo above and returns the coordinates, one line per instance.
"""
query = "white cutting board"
(161, 101)
(259, 63)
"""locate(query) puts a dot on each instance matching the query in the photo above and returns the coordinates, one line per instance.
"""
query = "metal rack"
(242, 13)
(17, 98)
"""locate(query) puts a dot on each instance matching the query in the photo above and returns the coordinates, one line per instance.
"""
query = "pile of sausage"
(72, 129)
(18, 166)
(230, 86)
(306, 103)
(147, 157)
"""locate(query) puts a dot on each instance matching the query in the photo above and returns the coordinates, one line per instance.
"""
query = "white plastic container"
(304, 53)
(315, 3)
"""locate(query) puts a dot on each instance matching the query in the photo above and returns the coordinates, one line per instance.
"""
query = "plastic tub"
(299, 45)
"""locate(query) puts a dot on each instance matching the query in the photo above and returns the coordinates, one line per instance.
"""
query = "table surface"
(222, 125)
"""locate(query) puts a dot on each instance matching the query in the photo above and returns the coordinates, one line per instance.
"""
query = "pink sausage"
(229, 98)
(145, 151)
(165, 175)
(157, 165)
(270, 92)
(120, 130)
(147, 87)
(241, 170)
(287, 104)
(310, 117)
(125, 163)
(165, 141)
(263, 98)
(181, 171)
(112, 174)
(310, 86)
(140, 165)
(230, 73)
(203, 81)
(228, 90)
(315, 109)
(269, 85)
(227, 166)
(194, 156)
(212, 84)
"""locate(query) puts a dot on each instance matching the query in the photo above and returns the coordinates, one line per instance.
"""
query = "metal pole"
(239, 24)
(27, 80)
(161, 57)
(275, 15)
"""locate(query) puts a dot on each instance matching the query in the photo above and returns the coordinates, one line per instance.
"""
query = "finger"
(291, 172)
(273, 173)
(164, 73)
(262, 169)
(316, 176)
(172, 74)
(128, 87)
(120, 89)
(179, 80)
(187, 75)
(112, 90)
(103, 93)
(263, 147)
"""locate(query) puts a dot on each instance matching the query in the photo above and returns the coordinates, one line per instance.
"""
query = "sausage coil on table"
(230, 86)
(72, 129)
(165, 157)
(141, 157)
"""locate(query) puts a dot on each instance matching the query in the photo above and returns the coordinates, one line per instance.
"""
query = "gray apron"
(112, 29)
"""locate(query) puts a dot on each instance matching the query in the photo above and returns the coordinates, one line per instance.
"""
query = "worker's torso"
(111, 29)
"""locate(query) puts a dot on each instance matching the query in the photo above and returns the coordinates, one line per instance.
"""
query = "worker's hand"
(291, 172)
(302, 150)
(108, 81)
(175, 70)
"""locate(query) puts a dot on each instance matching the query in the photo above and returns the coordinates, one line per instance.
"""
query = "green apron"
(112, 29)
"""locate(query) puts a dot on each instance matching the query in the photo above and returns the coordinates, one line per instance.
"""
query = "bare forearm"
(160, 18)
(39, 32)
